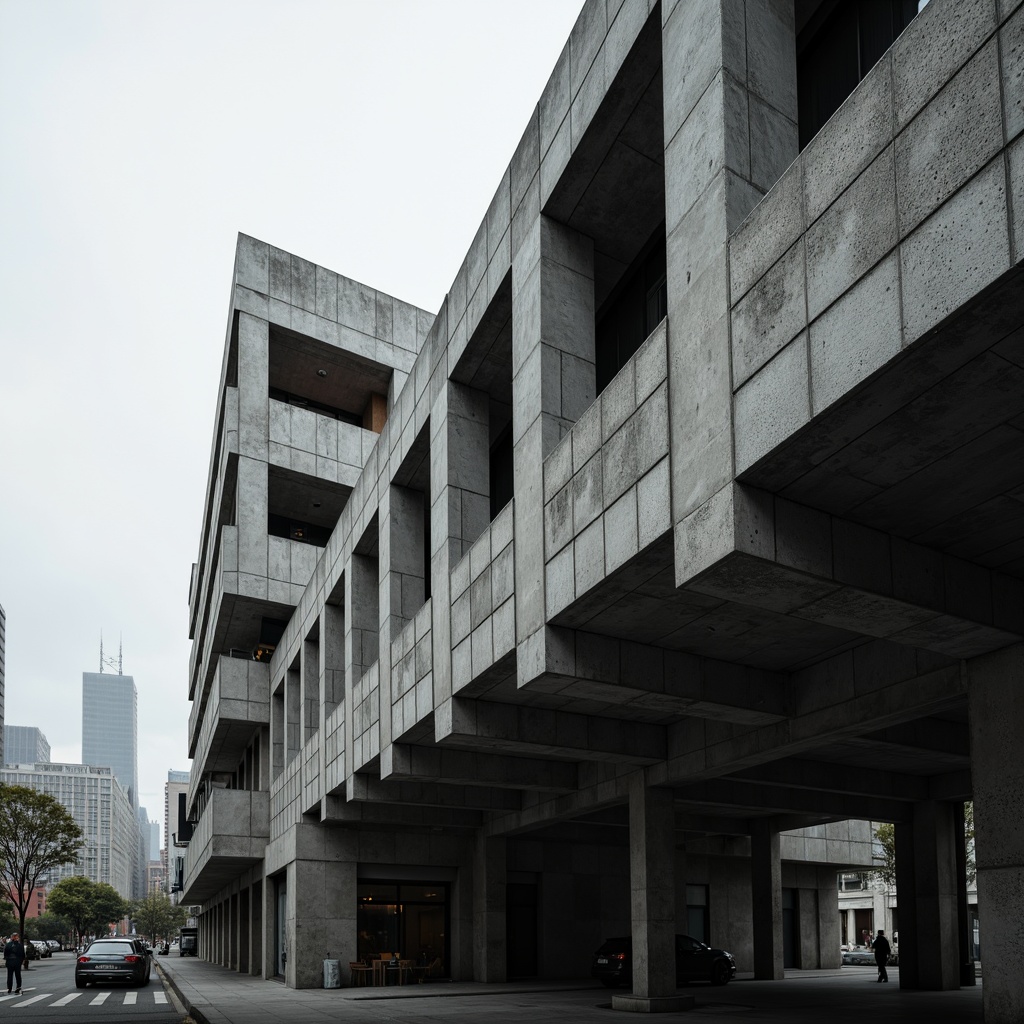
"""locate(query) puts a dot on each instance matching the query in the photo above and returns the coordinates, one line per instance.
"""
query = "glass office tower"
(110, 727)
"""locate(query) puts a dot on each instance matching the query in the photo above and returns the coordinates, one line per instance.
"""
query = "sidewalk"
(214, 995)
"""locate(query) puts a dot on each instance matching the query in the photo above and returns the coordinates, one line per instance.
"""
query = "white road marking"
(159, 997)
(100, 999)
(34, 999)
(130, 997)
(66, 999)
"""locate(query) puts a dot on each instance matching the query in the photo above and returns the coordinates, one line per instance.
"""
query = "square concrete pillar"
(926, 883)
(995, 698)
(766, 893)
(244, 933)
(829, 939)
(729, 74)
(309, 669)
(332, 658)
(256, 941)
(489, 875)
(652, 884)
(553, 381)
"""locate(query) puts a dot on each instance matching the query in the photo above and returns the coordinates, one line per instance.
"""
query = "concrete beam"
(482, 725)
(361, 788)
(404, 762)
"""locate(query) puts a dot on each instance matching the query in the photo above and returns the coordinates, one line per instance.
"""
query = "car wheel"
(79, 983)
(720, 973)
(610, 982)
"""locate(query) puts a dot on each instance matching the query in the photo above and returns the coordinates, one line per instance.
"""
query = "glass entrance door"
(280, 919)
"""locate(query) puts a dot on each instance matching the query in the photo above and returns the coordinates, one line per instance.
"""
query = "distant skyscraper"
(110, 727)
(25, 744)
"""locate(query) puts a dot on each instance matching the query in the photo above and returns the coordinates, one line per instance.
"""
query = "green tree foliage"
(156, 916)
(90, 906)
(36, 834)
(51, 926)
(885, 835)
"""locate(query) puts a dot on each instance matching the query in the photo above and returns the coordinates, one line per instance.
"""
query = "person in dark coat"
(882, 950)
(14, 957)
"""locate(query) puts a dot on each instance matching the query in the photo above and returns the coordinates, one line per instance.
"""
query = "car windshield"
(623, 945)
(111, 948)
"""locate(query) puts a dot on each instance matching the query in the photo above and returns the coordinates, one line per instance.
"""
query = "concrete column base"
(653, 1004)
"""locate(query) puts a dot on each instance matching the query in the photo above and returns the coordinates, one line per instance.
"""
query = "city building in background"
(683, 542)
(110, 729)
(175, 794)
(25, 744)
(101, 808)
(3, 647)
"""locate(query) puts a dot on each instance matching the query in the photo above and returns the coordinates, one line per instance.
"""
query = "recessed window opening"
(318, 407)
(836, 46)
(632, 311)
(296, 529)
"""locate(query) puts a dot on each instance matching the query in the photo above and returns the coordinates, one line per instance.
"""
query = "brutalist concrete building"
(617, 595)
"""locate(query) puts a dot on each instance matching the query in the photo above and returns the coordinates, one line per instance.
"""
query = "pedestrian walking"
(14, 957)
(882, 951)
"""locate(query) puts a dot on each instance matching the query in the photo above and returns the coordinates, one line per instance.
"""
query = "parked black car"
(613, 962)
(117, 959)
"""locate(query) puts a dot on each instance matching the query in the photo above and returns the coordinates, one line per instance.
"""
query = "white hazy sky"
(136, 139)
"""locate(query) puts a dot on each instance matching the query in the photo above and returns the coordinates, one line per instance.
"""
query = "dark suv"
(613, 962)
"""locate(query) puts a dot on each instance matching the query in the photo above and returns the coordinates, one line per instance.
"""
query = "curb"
(168, 980)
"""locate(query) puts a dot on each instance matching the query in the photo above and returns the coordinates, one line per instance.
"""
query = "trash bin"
(332, 974)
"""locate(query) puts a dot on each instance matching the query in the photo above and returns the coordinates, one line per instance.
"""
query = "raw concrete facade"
(606, 633)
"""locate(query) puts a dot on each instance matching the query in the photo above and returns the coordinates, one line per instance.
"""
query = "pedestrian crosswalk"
(29, 997)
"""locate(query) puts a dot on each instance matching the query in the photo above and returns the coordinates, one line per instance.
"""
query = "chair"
(361, 973)
(424, 971)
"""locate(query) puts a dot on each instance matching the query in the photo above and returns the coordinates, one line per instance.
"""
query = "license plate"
(602, 960)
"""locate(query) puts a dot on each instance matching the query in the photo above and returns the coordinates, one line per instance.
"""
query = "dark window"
(294, 529)
(502, 471)
(318, 407)
(636, 306)
(838, 46)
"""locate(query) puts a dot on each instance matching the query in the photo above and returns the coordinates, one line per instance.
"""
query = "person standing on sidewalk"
(882, 951)
(14, 957)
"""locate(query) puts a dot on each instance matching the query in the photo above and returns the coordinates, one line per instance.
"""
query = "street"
(49, 995)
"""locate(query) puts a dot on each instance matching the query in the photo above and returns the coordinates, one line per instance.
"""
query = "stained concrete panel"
(950, 140)
(856, 231)
(956, 252)
(773, 404)
(856, 336)
(936, 44)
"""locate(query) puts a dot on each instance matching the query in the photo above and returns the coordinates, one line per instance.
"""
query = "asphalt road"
(49, 996)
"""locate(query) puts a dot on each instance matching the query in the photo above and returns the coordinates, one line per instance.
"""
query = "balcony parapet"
(238, 702)
(230, 836)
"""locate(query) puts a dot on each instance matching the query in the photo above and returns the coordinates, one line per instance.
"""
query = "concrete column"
(309, 671)
(652, 881)
(730, 131)
(244, 932)
(553, 381)
(331, 658)
(256, 931)
(926, 883)
(489, 874)
(292, 714)
(362, 632)
(995, 698)
(231, 931)
(963, 917)
(829, 939)
(766, 900)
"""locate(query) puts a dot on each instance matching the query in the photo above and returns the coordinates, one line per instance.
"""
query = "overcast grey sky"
(138, 137)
